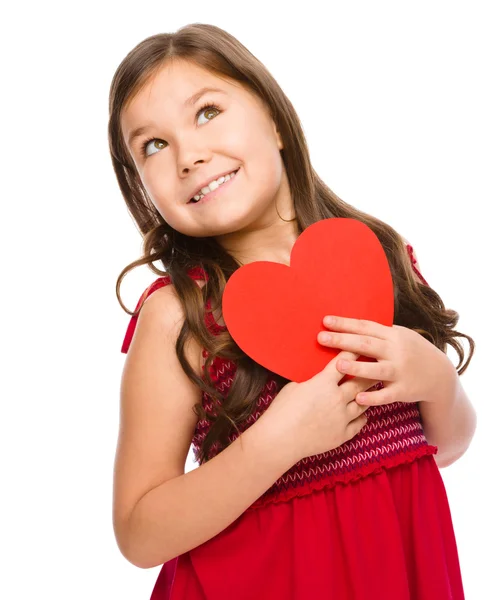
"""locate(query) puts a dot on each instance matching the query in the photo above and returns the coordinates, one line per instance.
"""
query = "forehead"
(166, 91)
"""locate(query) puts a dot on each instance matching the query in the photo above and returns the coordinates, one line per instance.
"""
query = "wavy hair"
(416, 305)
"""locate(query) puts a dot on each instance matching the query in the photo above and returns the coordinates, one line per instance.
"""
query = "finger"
(332, 368)
(362, 326)
(347, 355)
(382, 396)
(355, 426)
(351, 388)
(354, 410)
(362, 344)
(381, 370)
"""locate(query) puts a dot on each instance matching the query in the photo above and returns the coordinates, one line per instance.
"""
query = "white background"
(401, 106)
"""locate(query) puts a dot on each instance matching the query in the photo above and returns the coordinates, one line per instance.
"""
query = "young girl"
(303, 491)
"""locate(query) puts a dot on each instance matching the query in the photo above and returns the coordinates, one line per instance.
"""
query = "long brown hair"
(417, 305)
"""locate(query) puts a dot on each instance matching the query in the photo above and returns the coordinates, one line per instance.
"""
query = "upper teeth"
(213, 185)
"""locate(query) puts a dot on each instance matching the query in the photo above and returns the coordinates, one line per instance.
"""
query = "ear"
(279, 139)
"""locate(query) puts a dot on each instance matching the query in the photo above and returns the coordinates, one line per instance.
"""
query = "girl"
(303, 490)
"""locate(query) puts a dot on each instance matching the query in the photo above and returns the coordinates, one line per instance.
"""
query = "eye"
(145, 144)
(205, 108)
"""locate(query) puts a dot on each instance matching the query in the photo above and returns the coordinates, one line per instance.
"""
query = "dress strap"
(158, 283)
(195, 273)
(414, 264)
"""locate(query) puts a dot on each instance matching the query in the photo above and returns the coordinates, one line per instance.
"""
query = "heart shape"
(274, 311)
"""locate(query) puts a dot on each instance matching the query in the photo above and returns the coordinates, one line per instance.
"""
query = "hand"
(318, 414)
(406, 362)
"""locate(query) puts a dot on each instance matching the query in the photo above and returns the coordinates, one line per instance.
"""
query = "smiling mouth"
(212, 193)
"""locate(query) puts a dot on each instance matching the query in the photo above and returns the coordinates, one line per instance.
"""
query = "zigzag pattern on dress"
(393, 435)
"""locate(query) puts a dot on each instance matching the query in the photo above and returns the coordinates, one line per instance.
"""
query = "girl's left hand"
(407, 363)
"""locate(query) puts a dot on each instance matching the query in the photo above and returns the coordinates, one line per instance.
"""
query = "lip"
(209, 181)
(212, 194)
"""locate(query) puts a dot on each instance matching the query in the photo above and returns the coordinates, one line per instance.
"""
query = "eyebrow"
(188, 102)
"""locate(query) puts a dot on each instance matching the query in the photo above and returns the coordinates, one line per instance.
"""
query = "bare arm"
(159, 511)
(186, 511)
(449, 418)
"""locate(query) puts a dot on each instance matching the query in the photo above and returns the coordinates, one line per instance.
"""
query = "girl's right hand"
(318, 415)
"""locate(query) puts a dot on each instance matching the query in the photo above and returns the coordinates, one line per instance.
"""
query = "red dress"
(368, 520)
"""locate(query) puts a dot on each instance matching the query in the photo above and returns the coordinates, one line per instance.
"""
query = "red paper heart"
(274, 311)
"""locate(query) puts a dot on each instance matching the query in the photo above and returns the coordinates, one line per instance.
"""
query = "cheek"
(158, 191)
(264, 167)
(159, 185)
(268, 182)
(151, 184)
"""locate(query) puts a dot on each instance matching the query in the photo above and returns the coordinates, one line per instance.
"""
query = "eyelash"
(201, 109)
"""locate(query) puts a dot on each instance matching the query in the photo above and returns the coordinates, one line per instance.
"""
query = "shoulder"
(158, 324)
(160, 293)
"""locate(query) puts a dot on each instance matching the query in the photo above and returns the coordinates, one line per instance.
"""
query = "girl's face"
(192, 145)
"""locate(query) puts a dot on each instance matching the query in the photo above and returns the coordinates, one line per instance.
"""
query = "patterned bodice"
(393, 434)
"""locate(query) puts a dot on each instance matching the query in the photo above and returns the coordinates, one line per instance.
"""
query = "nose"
(191, 155)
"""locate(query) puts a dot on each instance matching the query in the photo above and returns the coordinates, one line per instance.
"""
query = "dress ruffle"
(386, 536)
(344, 478)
